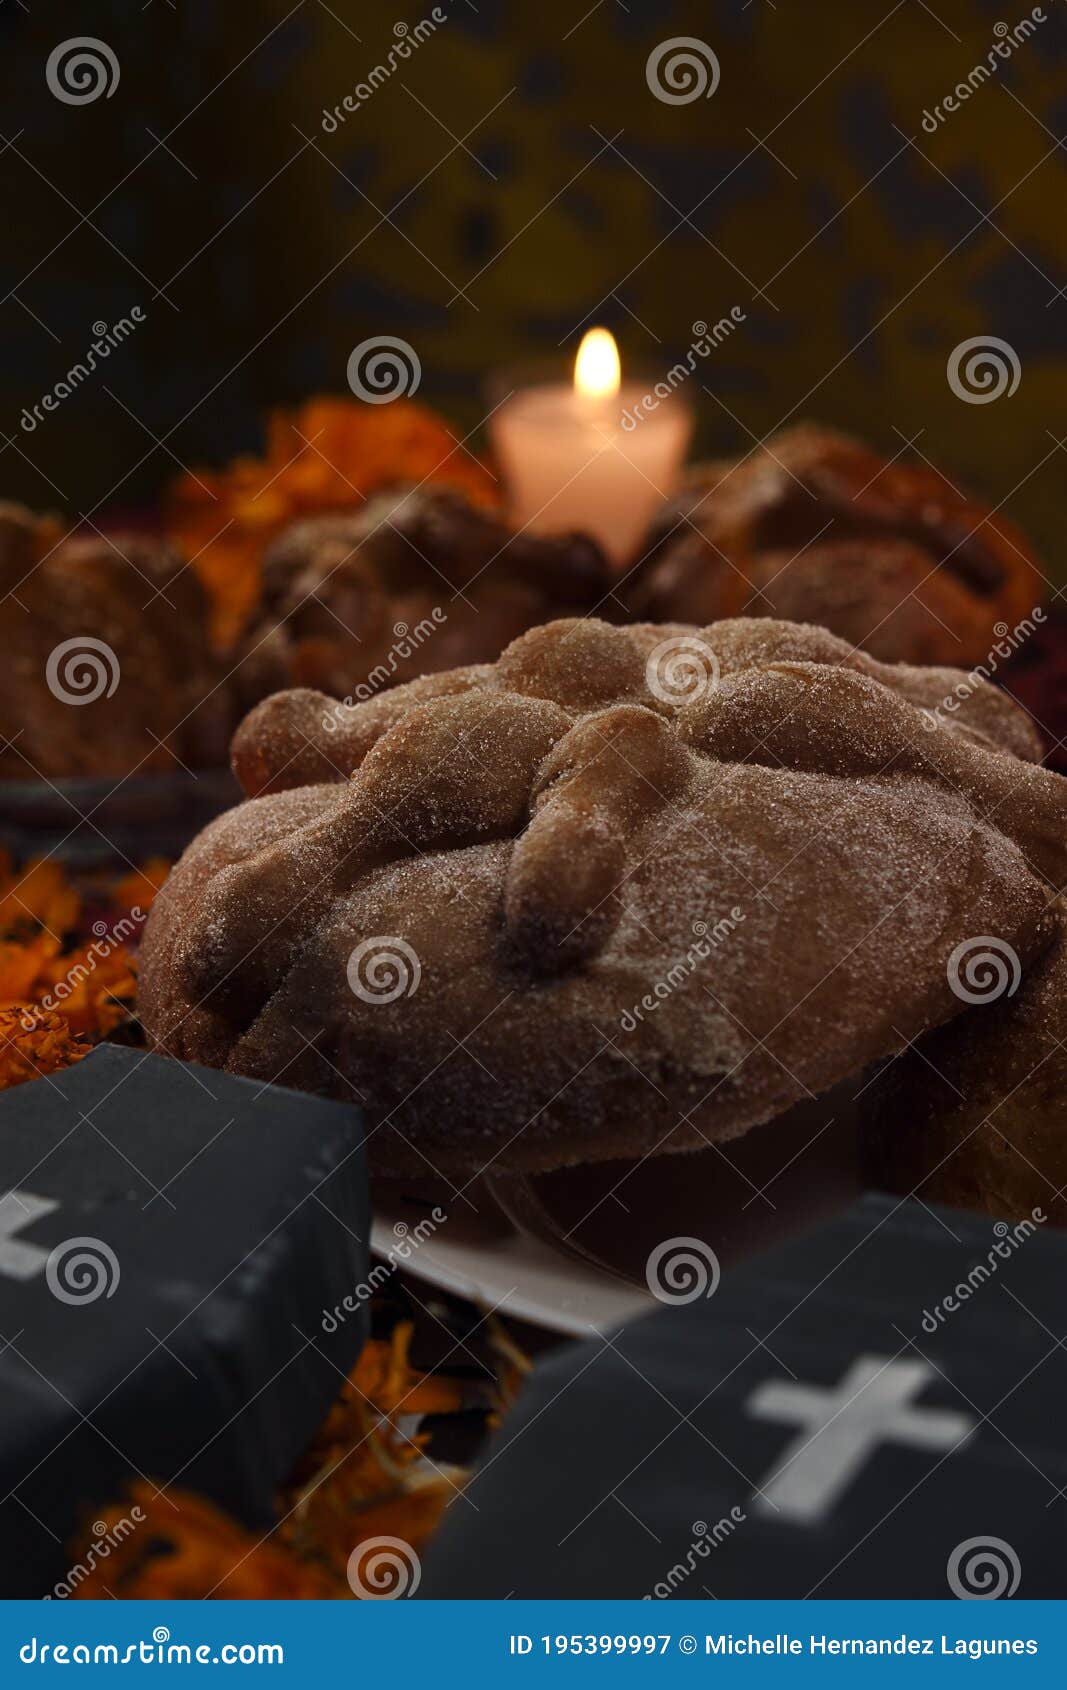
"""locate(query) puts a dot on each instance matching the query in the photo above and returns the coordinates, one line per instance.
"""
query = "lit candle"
(596, 456)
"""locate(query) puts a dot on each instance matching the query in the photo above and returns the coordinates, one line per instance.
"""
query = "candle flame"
(596, 368)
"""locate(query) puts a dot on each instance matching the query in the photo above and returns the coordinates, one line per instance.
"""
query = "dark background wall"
(514, 181)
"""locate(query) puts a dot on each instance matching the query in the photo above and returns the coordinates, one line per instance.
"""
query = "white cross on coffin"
(17, 1209)
(840, 1428)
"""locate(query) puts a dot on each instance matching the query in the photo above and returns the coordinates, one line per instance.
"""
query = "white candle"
(596, 456)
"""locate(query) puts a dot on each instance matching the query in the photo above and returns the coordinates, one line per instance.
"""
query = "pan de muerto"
(417, 581)
(624, 890)
(107, 669)
(815, 527)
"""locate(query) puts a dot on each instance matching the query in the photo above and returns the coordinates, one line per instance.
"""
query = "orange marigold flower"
(35, 1042)
(92, 991)
(40, 894)
(22, 963)
(330, 454)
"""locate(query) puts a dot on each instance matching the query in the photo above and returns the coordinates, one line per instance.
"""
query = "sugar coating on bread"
(623, 891)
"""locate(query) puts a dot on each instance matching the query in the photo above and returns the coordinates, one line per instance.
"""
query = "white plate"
(511, 1272)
